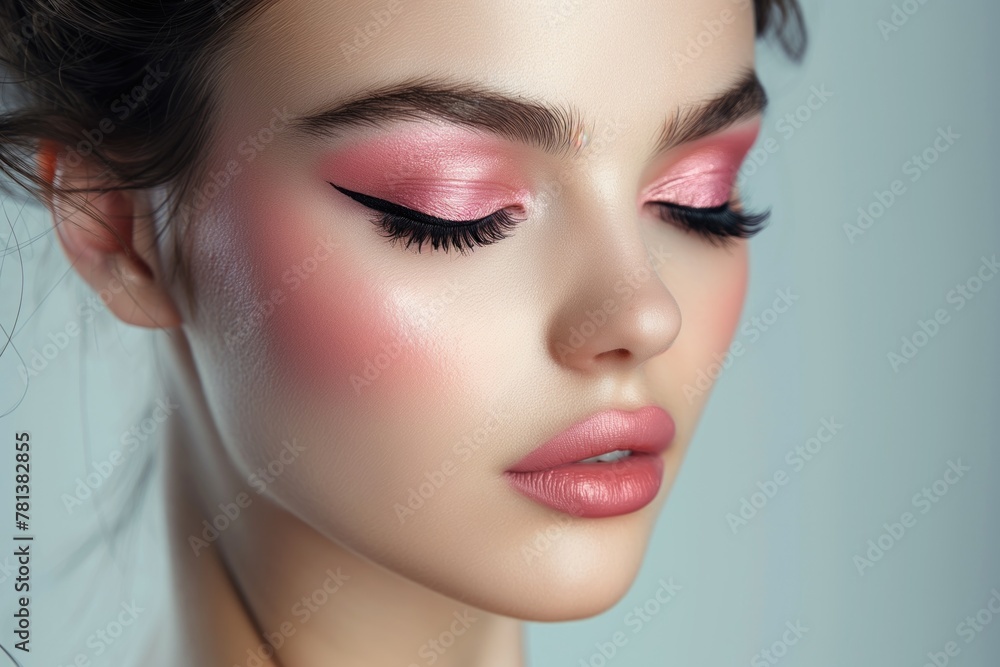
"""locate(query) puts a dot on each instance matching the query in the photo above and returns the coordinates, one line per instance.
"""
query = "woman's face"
(402, 382)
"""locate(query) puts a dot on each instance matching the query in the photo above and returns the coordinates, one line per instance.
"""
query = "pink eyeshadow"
(703, 174)
(447, 172)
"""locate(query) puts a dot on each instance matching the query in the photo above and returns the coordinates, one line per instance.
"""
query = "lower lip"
(593, 490)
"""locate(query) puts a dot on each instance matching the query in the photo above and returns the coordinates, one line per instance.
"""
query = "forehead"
(632, 60)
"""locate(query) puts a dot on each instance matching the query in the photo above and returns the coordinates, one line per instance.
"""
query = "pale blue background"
(826, 357)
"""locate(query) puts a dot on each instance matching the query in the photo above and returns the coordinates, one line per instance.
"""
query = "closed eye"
(395, 209)
(718, 224)
(399, 223)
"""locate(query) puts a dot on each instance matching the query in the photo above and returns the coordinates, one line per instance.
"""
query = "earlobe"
(108, 241)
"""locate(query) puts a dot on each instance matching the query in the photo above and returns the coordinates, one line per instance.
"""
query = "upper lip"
(647, 430)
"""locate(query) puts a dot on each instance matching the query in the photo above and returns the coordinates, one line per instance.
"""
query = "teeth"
(610, 456)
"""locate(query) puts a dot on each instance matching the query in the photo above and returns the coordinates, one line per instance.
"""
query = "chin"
(563, 569)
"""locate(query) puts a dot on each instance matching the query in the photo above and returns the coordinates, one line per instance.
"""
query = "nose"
(619, 313)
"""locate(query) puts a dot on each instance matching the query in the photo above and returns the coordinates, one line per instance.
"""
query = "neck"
(256, 586)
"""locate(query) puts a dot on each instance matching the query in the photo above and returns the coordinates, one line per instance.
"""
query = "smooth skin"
(262, 370)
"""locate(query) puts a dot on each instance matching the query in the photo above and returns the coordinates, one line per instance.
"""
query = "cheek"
(338, 329)
(710, 290)
(710, 293)
(725, 300)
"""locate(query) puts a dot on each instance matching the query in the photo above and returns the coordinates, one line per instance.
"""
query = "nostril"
(620, 354)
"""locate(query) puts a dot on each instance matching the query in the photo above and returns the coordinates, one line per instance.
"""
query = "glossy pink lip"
(554, 476)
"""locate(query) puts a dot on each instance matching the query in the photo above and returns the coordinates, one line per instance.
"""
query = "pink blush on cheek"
(332, 331)
(704, 174)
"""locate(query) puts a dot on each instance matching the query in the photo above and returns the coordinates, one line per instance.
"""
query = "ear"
(109, 239)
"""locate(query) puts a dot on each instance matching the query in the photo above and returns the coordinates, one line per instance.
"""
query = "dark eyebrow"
(744, 99)
(556, 129)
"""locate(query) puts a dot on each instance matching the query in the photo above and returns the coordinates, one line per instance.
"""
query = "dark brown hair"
(128, 85)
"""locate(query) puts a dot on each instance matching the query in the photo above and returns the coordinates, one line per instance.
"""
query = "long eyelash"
(462, 236)
(399, 223)
(719, 224)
